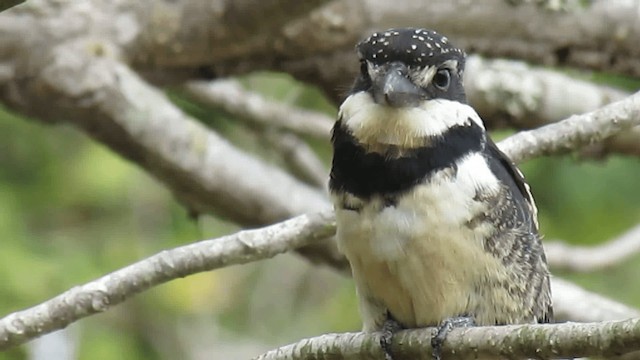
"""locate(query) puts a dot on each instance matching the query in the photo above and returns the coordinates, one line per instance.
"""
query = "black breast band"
(365, 174)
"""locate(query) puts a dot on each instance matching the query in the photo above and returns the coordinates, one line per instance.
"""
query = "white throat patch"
(372, 123)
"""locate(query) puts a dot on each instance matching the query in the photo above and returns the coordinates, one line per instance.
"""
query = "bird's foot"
(444, 329)
(389, 327)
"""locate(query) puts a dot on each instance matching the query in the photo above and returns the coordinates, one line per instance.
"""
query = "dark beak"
(392, 87)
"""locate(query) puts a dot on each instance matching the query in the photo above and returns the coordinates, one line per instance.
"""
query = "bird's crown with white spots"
(412, 46)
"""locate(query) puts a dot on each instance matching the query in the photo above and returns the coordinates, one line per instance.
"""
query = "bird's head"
(409, 89)
(404, 67)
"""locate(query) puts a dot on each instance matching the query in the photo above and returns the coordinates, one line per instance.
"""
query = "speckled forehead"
(418, 47)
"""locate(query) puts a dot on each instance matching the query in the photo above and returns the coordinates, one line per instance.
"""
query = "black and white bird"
(437, 223)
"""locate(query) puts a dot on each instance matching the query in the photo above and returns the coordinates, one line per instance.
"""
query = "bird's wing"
(513, 178)
(516, 181)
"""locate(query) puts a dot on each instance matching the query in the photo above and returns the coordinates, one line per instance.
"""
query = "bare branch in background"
(112, 289)
(109, 102)
(513, 94)
(517, 95)
(232, 98)
(299, 158)
(557, 341)
(593, 258)
(573, 303)
(574, 132)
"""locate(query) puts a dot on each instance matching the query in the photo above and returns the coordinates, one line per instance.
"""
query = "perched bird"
(437, 223)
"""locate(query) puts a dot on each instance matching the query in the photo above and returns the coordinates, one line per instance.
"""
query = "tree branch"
(271, 116)
(574, 132)
(112, 289)
(110, 103)
(573, 303)
(232, 98)
(600, 35)
(567, 340)
(584, 258)
(514, 94)
(301, 160)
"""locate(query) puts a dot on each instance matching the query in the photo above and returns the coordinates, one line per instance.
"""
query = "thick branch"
(600, 35)
(584, 258)
(112, 289)
(568, 340)
(110, 103)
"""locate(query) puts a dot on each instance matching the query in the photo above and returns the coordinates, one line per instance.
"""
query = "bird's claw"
(389, 327)
(444, 329)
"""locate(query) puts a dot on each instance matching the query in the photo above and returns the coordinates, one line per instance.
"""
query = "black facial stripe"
(365, 174)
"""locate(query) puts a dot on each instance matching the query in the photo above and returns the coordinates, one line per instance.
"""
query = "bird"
(439, 226)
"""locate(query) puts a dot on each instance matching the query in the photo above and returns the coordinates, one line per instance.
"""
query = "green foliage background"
(71, 211)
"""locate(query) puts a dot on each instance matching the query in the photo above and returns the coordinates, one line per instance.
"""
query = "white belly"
(418, 258)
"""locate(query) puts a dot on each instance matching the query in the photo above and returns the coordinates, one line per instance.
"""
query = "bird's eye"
(442, 79)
